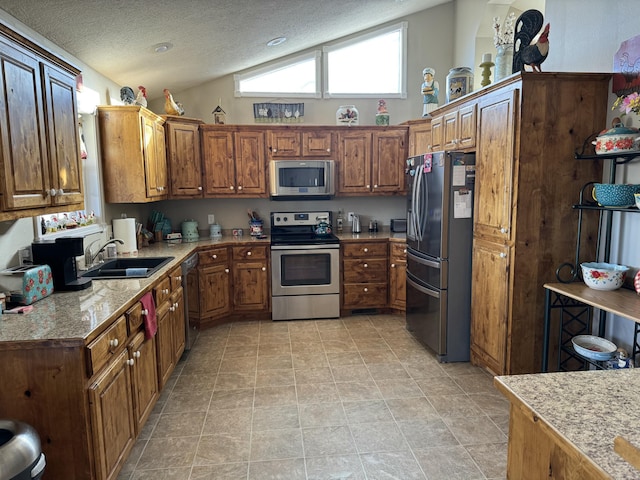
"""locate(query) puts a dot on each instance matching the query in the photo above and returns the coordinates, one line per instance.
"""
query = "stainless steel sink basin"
(139, 267)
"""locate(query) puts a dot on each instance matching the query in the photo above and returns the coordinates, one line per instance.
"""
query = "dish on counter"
(603, 276)
(594, 348)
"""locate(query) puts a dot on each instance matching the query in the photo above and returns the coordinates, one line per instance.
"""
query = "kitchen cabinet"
(233, 161)
(250, 271)
(420, 138)
(372, 161)
(39, 140)
(184, 158)
(459, 128)
(144, 377)
(529, 126)
(364, 275)
(166, 316)
(300, 142)
(437, 134)
(210, 285)
(132, 147)
(398, 276)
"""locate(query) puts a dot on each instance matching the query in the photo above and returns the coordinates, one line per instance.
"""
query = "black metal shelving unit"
(576, 317)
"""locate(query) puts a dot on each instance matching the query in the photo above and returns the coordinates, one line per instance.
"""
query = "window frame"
(316, 55)
(402, 27)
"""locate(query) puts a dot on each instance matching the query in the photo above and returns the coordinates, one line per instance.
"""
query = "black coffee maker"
(60, 255)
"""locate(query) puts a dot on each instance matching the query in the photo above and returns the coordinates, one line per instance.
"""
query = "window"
(369, 65)
(294, 77)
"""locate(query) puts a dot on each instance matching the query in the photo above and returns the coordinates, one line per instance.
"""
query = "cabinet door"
(317, 144)
(155, 161)
(490, 304)
(64, 147)
(177, 324)
(283, 143)
(388, 160)
(250, 163)
(398, 277)
(25, 167)
(354, 165)
(437, 134)
(218, 163)
(215, 298)
(450, 130)
(144, 377)
(495, 166)
(111, 405)
(162, 179)
(467, 126)
(420, 139)
(184, 160)
(250, 286)
(164, 346)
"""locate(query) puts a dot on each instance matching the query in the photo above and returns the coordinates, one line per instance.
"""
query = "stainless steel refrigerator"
(439, 242)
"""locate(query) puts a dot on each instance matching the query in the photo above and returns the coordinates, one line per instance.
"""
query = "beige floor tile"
(427, 433)
(164, 474)
(475, 430)
(387, 465)
(342, 467)
(455, 406)
(367, 411)
(399, 388)
(317, 393)
(442, 385)
(309, 359)
(222, 399)
(277, 417)
(323, 441)
(357, 391)
(276, 444)
(409, 409)
(168, 453)
(351, 373)
(322, 415)
(451, 462)
(179, 424)
(216, 449)
(234, 381)
(287, 469)
(378, 437)
(274, 362)
(265, 349)
(236, 421)
(229, 471)
(339, 359)
(313, 375)
(241, 351)
(202, 382)
(491, 458)
(187, 402)
(275, 396)
(274, 378)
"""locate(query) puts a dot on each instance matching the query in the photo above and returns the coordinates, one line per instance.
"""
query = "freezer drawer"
(430, 271)
(427, 315)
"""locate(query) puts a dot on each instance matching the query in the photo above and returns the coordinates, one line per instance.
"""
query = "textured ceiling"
(211, 38)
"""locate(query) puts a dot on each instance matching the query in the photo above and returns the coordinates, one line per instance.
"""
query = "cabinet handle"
(404, 251)
(176, 305)
(165, 291)
(504, 230)
(136, 354)
(248, 254)
(240, 187)
(365, 250)
(393, 265)
(328, 150)
(375, 186)
(503, 255)
(231, 187)
(368, 186)
(130, 362)
(428, 147)
(365, 289)
(264, 269)
(179, 278)
(275, 150)
(366, 265)
(145, 312)
(226, 270)
(200, 189)
(172, 308)
(60, 192)
(51, 192)
(114, 343)
(214, 256)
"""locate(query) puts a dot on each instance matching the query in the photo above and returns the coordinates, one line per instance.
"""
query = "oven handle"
(324, 246)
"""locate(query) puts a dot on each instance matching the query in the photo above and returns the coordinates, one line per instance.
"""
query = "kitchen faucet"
(89, 257)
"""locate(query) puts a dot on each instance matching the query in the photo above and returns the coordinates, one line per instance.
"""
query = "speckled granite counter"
(589, 409)
(383, 235)
(72, 317)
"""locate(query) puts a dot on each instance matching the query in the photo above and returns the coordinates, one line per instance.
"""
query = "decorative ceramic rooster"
(141, 98)
(127, 96)
(171, 107)
(526, 51)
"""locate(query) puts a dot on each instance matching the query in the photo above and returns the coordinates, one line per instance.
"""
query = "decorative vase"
(459, 83)
(382, 119)
(504, 62)
(347, 115)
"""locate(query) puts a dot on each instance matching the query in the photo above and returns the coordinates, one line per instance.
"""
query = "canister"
(459, 83)
(215, 231)
(190, 231)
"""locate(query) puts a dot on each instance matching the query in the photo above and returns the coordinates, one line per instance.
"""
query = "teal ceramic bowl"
(615, 195)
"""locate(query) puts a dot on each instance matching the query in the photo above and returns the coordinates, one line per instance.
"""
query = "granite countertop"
(382, 235)
(589, 408)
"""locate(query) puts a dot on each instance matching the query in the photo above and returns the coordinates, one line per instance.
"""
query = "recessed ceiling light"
(276, 41)
(162, 47)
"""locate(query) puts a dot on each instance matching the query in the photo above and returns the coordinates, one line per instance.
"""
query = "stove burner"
(298, 228)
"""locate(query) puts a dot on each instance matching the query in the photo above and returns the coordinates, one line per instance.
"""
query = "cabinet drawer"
(100, 351)
(134, 318)
(176, 278)
(367, 295)
(398, 253)
(250, 252)
(371, 249)
(213, 257)
(161, 291)
(365, 270)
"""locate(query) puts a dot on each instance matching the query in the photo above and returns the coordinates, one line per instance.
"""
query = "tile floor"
(355, 398)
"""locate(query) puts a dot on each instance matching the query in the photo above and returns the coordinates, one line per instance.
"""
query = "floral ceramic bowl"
(595, 348)
(603, 276)
(614, 194)
(619, 139)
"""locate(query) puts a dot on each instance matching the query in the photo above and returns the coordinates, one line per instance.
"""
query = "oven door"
(305, 269)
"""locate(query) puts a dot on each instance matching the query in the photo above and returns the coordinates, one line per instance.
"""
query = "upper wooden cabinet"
(371, 160)
(455, 128)
(184, 158)
(420, 138)
(527, 178)
(233, 160)
(300, 143)
(39, 141)
(134, 163)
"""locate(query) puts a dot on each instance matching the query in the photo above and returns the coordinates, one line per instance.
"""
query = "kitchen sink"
(141, 267)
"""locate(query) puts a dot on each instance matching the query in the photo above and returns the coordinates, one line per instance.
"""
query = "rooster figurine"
(127, 96)
(171, 107)
(141, 98)
(526, 51)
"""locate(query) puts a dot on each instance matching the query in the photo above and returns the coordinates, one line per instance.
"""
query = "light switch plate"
(211, 219)
(350, 216)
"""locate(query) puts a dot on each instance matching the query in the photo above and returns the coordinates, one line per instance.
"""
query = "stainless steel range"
(305, 266)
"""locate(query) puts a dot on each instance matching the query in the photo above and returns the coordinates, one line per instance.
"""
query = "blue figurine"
(430, 89)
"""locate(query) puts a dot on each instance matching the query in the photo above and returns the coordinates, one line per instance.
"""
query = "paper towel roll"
(125, 230)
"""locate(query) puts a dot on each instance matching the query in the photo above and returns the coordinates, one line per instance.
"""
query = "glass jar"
(459, 83)
(347, 115)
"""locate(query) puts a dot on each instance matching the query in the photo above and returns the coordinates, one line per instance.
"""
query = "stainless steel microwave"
(300, 179)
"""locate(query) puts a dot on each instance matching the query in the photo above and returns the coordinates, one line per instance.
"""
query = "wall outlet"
(211, 219)
(350, 216)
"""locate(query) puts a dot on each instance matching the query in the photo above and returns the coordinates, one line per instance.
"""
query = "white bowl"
(595, 348)
(603, 276)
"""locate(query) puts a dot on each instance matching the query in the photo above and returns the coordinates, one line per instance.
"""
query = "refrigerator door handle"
(417, 195)
(420, 288)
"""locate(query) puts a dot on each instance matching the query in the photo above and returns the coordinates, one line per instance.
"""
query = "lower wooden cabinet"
(210, 287)
(364, 275)
(144, 382)
(112, 417)
(165, 357)
(398, 276)
(177, 324)
(251, 292)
